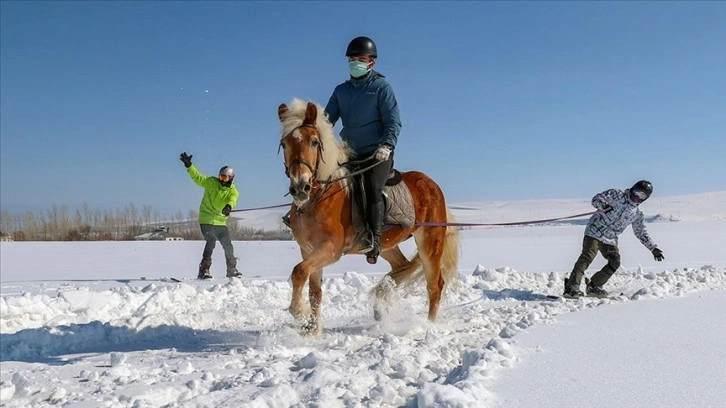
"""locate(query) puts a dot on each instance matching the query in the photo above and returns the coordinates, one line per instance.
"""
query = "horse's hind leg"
(430, 242)
(395, 258)
(401, 270)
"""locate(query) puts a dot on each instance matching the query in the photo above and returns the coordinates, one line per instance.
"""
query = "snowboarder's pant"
(212, 233)
(590, 247)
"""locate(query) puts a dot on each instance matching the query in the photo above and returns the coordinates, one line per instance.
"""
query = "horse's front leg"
(311, 270)
(315, 293)
(298, 309)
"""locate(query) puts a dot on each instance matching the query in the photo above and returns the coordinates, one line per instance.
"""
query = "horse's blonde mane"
(335, 151)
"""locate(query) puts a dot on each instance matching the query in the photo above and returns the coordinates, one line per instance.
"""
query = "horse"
(322, 223)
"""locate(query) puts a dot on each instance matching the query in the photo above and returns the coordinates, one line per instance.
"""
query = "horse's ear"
(281, 110)
(311, 114)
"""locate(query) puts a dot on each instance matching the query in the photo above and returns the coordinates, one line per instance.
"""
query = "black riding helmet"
(361, 46)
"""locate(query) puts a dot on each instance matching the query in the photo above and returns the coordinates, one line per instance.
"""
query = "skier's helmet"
(361, 46)
(226, 175)
(641, 191)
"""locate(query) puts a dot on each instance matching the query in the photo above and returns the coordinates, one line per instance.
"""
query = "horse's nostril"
(307, 188)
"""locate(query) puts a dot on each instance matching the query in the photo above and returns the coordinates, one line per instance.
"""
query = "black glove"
(186, 159)
(607, 209)
(226, 210)
(658, 254)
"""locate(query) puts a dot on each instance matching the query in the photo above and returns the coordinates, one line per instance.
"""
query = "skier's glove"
(226, 210)
(186, 159)
(383, 152)
(658, 254)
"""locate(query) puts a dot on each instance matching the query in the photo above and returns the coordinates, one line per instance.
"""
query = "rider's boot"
(375, 225)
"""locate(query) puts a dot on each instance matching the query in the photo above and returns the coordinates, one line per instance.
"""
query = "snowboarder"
(220, 195)
(616, 209)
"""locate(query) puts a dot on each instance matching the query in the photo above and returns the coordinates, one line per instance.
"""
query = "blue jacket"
(369, 112)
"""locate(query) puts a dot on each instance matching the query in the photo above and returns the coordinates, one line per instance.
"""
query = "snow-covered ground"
(98, 324)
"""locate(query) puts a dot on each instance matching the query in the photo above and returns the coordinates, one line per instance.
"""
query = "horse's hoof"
(310, 328)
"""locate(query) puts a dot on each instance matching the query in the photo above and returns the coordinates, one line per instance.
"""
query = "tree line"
(61, 223)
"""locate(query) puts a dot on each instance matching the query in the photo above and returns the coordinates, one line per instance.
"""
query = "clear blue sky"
(499, 101)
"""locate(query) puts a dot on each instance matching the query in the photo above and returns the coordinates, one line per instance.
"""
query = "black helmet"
(361, 46)
(641, 191)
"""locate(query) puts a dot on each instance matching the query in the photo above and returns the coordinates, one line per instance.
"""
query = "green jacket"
(216, 196)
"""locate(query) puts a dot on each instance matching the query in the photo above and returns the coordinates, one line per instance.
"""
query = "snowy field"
(101, 324)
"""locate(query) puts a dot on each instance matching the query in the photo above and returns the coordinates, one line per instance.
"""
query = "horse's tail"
(450, 258)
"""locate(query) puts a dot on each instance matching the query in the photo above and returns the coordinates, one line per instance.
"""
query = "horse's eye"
(315, 142)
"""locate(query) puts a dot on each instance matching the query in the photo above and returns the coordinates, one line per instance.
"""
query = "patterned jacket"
(605, 227)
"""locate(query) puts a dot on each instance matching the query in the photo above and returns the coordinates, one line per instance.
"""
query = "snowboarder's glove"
(226, 210)
(606, 209)
(186, 159)
(383, 152)
(658, 254)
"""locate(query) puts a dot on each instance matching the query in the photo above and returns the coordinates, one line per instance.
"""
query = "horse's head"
(311, 151)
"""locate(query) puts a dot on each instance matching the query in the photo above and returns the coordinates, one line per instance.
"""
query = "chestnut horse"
(322, 223)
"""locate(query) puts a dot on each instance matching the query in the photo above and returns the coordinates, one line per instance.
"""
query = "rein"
(355, 173)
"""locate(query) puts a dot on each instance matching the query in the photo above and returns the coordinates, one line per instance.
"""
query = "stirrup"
(365, 241)
(372, 255)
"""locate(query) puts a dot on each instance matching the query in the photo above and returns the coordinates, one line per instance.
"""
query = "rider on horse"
(367, 107)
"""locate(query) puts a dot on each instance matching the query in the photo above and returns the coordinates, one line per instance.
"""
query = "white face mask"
(358, 68)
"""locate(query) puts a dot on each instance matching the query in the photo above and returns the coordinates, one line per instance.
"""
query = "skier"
(616, 210)
(220, 195)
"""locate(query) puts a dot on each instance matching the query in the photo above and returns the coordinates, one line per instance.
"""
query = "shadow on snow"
(49, 344)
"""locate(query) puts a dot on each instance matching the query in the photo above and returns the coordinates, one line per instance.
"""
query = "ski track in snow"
(234, 343)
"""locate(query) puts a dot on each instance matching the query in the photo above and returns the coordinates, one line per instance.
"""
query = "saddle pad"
(399, 205)
(399, 208)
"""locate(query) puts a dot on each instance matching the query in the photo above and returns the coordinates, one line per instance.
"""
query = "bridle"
(299, 161)
(315, 181)
(330, 180)
(316, 190)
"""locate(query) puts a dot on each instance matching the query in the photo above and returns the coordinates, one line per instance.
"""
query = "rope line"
(453, 224)
(498, 224)
(262, 208)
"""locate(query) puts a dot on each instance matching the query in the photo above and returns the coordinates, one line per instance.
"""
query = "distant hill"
(695, 207)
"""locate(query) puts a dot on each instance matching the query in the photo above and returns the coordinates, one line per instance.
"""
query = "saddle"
(398, 203)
